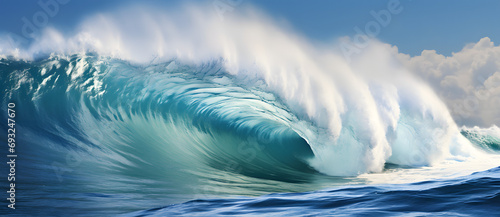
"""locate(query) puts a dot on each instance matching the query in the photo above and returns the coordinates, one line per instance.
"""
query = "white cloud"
(468, 81)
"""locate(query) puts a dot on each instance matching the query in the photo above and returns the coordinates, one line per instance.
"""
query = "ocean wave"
(204, 115)
(353, 116)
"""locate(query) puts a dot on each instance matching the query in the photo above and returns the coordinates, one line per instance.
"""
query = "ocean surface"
(98, 136)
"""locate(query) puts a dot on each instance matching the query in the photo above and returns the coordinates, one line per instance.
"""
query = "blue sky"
(445, 26)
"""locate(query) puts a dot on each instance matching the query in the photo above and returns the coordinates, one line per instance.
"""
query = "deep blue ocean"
(98, 136)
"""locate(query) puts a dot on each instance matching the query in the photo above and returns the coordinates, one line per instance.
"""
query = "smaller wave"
(485, 138)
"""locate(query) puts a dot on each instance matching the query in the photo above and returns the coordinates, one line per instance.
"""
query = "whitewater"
(124, 115)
